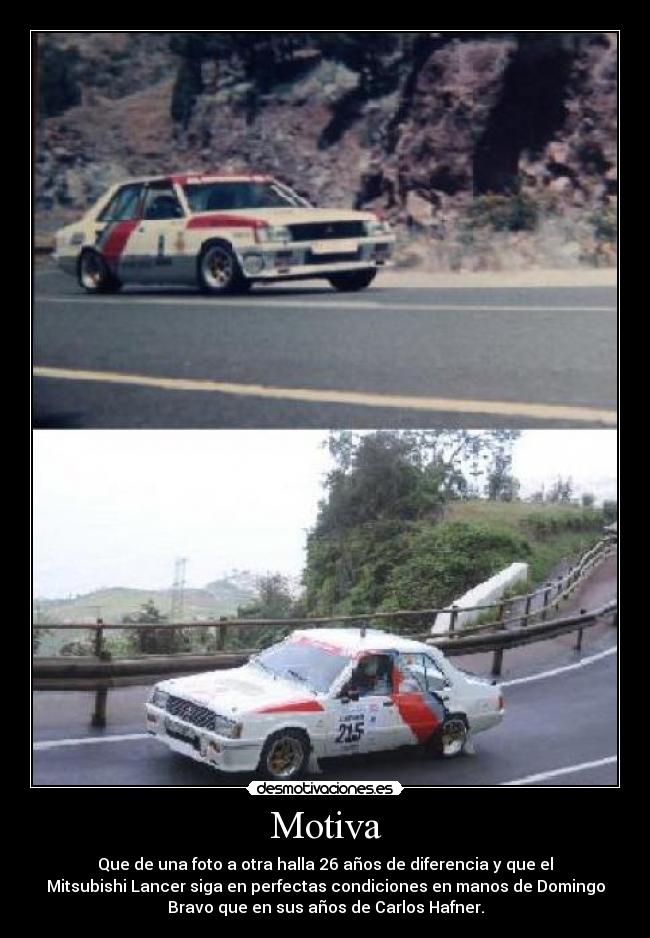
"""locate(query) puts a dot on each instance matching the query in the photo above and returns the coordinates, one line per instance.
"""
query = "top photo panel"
(324, 229)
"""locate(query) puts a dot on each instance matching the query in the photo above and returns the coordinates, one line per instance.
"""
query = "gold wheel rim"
(218, 268)
(285, 757)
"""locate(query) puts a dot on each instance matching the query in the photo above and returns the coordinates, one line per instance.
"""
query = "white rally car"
(319, 693)
(221, 233)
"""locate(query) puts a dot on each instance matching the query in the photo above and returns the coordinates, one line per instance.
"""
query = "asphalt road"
(560, 728)
(303, 355)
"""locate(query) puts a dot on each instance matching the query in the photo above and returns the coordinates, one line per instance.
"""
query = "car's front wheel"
(353, 280)
(94, 275)
(285, 755)
(219, 271)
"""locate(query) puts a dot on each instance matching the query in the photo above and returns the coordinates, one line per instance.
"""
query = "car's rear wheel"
(352, 280)
(94, 275)
(452, 736)
(285, 755)
(219, 271)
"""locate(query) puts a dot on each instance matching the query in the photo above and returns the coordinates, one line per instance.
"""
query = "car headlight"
(375, 228)
(225, 727)
(159, 698)
(274, 234)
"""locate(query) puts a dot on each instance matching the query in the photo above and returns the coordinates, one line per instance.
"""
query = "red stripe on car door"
(116, 240)
(413, 709)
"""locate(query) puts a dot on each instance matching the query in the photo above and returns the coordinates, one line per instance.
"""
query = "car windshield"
(220, 196)
(313, 665)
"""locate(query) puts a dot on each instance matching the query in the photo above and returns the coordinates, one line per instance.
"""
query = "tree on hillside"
(501, 485)
(154, 641)
(273, 601)
(588, 500)
(382, 485)
(561, 491)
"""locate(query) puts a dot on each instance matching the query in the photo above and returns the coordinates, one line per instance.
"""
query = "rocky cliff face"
(485, 149)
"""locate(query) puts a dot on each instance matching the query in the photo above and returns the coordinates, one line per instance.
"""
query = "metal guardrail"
(101, 675)
(102, 672)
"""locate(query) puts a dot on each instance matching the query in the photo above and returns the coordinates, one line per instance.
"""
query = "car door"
(363, 715)
(115, 226)
(420, 689)
(156, 246)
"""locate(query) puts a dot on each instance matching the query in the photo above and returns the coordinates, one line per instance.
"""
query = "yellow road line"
(355, 398)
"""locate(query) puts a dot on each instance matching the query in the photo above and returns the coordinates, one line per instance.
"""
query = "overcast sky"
(116, 508)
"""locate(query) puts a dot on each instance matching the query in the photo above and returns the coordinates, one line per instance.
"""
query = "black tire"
(285, 755)
(94, 275)
(450, 738)
(218, 271)
(352, 280)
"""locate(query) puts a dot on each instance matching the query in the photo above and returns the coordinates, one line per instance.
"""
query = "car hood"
(241, 690)
(292, 216)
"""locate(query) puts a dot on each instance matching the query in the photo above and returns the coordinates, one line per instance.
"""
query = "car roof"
(351, 641)
(199, 176)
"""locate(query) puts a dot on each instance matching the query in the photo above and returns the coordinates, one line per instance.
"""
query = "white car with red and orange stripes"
(323, 693)
(220, 233)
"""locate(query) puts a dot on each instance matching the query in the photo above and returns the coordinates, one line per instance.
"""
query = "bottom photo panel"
(422, 607)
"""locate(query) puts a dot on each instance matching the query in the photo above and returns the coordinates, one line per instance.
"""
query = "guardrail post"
(578, 646)
(99, 639)
(497, 658)
(524, 620)
(560, 586)
(547, 593)
(98, 719)
(454, 617)
(222, 631)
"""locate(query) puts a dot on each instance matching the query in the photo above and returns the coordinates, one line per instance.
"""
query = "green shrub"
(444, 561)
(503, 213)
(605, 223)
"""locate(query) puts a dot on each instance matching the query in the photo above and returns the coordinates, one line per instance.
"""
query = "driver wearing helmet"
(373, 675)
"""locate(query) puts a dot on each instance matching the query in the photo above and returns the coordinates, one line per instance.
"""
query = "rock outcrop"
(429, 131)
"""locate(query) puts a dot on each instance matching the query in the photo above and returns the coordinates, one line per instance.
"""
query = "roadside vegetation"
(408, 520)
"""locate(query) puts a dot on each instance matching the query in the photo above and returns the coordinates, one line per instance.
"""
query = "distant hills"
(221, 597)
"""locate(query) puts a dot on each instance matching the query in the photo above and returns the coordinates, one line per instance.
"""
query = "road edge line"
(565, 770)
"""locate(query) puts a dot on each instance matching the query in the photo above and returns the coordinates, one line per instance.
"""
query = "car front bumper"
(220, 752)
(301, 260)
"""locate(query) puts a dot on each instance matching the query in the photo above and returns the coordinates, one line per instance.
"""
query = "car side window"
(161, 203)
(436, 680)
(373, 676)
(422, 669)
(124, 204)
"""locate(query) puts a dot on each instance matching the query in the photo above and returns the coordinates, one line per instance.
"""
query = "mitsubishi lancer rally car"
(322, 693)
(220, 233)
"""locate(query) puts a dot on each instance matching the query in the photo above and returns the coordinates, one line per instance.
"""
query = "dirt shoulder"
(579, 277)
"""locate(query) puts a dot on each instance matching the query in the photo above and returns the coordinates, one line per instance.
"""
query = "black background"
(576, 828)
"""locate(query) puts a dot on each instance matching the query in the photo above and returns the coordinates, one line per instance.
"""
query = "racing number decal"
(351, 728)
(162, 260)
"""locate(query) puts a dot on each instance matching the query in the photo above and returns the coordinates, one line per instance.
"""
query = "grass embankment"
(554, 533)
